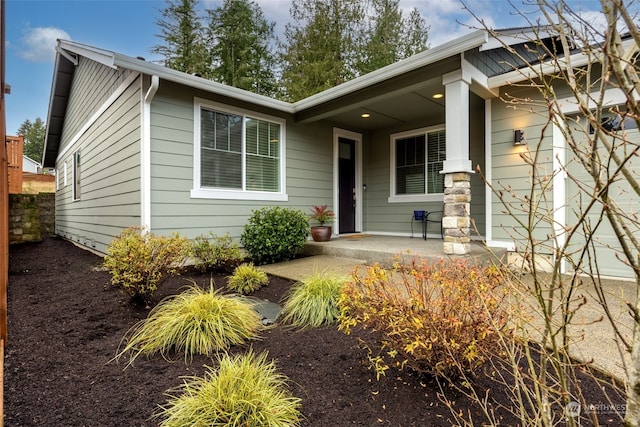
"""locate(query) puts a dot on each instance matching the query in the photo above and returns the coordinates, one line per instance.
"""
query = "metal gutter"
(200, 83)
(446, 50)
(577, 60)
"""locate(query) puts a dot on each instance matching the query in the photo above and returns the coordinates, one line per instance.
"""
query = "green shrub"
(440, 318)
(247, 278)
(275, 234)
(313, 301)
(245, 390)
(138, 261)
(215, 253)
(195, 321)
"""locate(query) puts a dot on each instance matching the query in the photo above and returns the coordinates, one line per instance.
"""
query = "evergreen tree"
(382, 37)
(329, 42)
(34, 134)
(240, 47)
(182, 33)
(390, 37)
(320, 46)
(415, 35)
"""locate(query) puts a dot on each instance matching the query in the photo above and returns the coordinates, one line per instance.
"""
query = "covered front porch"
(371, 248)
(412, 140)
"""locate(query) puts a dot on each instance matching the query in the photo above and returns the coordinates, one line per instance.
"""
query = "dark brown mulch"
(66, 322)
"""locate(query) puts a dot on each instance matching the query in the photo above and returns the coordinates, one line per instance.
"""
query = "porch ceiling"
(394, 109)
(389, 104)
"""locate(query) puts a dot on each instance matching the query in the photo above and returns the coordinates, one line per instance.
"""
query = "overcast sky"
(129, 27)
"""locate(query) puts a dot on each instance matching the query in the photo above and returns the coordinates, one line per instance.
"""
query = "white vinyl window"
(76, 175)
(238, 154)
(417, 158)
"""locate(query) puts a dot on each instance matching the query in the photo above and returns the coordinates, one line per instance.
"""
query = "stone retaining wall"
(31, 216)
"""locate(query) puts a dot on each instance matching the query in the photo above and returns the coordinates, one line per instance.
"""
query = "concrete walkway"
(593, 335)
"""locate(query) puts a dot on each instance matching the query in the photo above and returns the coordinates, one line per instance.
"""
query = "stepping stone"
(267, 310)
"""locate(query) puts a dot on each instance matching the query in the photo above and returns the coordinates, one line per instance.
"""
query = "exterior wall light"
(518, 137)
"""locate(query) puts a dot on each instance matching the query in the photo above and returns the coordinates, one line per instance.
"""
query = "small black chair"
(424, 218)
(435, 217)
(419, 216)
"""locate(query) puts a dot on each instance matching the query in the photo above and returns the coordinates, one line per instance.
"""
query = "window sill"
(416, 198)
(201, 193)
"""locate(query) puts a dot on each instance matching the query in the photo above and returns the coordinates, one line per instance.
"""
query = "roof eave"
(578, 59)
(196, 82)
(430, 56)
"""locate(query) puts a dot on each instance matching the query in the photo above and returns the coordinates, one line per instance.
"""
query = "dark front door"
(347, 185)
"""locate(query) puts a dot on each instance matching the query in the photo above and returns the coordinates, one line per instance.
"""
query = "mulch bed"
(66, 322)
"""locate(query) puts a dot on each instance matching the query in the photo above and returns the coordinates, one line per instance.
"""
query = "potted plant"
(321, 214)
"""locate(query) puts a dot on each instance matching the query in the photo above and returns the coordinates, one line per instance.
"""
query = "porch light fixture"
(518, 137)
(365, 115)
(437, 95)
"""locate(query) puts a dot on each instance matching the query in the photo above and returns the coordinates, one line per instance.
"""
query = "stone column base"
(456, 219)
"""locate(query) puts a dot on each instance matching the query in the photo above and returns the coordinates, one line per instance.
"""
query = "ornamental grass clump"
(313, 301)
(138, 261)
(245, 390)
(212, 252)
(195, 321)
(440, 318)
(247, 278)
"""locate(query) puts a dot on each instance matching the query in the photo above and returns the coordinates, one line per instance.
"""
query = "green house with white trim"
(135, 143)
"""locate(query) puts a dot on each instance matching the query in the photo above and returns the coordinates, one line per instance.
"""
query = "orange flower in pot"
(321, 214)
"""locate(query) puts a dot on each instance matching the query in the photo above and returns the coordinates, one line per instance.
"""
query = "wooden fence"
(14, 162)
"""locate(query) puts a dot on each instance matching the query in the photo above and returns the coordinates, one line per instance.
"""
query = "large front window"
(238, 154)
(417, 159)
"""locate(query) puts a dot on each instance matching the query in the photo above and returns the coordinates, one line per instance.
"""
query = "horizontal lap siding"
(477, 156)
(380, 215)
(396, 218)
(510, 173)
(110, 166)
(86, 96)
(310, 165)
(308, 161)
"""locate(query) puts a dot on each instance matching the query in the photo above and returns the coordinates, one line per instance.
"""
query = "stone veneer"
(456, 219)
(31, 216)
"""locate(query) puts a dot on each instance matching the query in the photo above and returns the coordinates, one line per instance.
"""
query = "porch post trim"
(457, 121)
(456, 217)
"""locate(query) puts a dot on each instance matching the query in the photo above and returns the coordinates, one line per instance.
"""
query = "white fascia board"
(200, 83)
(430, 56)
(446, 50)
(115, 60)
(101, 56)
(52, 91)
(511, 38)
(526, 73)
(479, 81)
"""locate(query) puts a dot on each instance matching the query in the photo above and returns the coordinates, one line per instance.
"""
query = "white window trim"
(409, 198)
(199, 192)
(75, 186)
(64, 183)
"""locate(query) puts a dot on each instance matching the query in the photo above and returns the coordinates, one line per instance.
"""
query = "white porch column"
(457, 168)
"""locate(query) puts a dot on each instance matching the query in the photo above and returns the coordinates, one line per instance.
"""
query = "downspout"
(145, 155)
